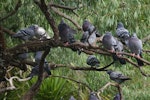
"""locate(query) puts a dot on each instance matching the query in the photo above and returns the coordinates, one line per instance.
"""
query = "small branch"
(63, 7)
(64, 77)
(67, 17)
(146, 39)
(112, 84)
(12, 12)
(6, 30)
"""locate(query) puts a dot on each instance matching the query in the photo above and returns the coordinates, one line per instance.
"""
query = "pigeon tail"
(140, 62)
(122, 61)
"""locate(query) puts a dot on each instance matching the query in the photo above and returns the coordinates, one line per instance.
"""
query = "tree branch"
(12, 12)
(34, 89)
(67, 17)
(12, 87)
(48, 16)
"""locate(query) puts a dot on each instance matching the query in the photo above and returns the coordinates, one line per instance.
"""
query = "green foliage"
(104, 14)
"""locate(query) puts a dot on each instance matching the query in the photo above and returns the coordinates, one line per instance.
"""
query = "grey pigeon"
(72, 98)
(35, 70)
(66, 33)
(135, 46)
(38, 56)
(27, 33)
(117, 76)
(122, 32)
(112, 44)
(33, 31)
(93, 96)
(119, 48)
(109, 42)
(85, 37)
(92, 61)
(23, 56)
(117, 97)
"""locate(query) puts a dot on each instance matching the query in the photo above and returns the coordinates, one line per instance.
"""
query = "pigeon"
(31, 33)
(122, 32)
(66, 33)
(117, 97)
(38, 56)
(35, 70)
(117, 76)
(72, 98)
(113, 45)
(109, 42)
(93, 96)
(92, 61)
(135, 46)
(27, 33)
(119, 48)
(23, 56)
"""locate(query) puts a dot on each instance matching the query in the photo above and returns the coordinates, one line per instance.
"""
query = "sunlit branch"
(67, 17)
(10, 80)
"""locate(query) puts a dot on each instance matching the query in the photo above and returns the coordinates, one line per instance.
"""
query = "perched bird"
(92, 61)
(135, 46)
(119, 48)
(23, 56)
(31, 33)
(122, 32)
(117, 97)
(86, 24)
(117, 76)
(38, 56)
(72, 98)
(109, 42)
(27, 33)
(93, 96)
(113, 45)
(35, 70)
(66, 33)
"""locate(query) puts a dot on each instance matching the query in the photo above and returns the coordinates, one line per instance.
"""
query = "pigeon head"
(120, 24)
(109, 71)
(134, 35)
(86, 25)
(34, 27)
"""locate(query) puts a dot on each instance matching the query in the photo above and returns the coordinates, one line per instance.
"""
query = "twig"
(63, 7)
(12, 12)
(12, 87)
(67, 17)
(112, 84)
(6, 30)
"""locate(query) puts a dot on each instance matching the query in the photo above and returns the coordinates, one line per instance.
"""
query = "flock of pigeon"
(89, 37)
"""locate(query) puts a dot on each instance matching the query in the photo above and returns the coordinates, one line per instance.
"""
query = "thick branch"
(12, 12)
(34, 89)
(48, 16)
